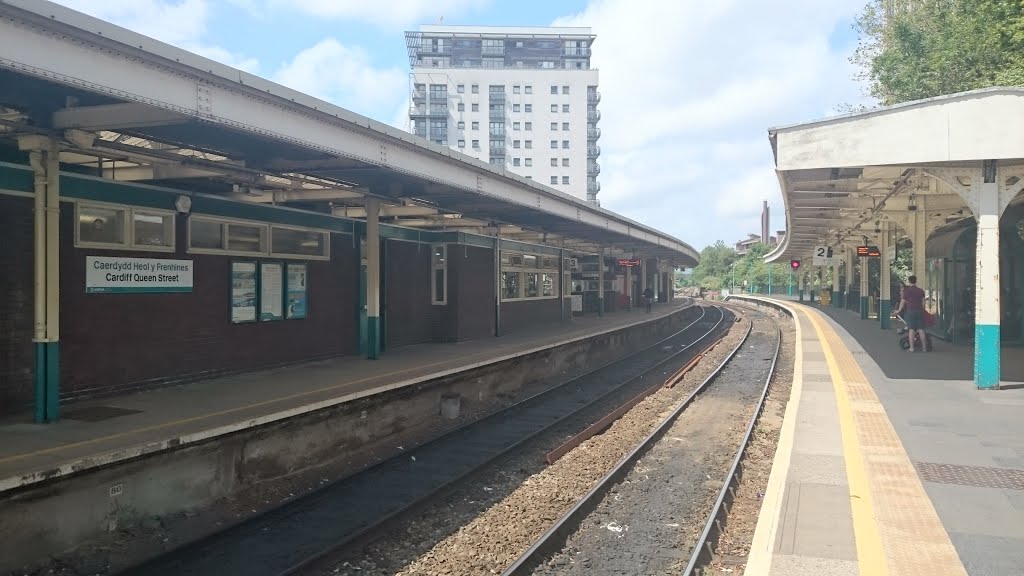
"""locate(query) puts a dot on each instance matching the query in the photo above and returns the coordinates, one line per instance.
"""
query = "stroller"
(904, 333)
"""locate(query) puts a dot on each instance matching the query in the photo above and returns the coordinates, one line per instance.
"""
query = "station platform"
(877, 474)
(102, 432)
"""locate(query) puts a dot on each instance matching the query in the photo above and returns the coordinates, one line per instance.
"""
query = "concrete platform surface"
(123, 427)
(889, 476)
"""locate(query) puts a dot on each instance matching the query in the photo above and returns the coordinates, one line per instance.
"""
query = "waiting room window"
(215, 235)
(439, 270)
(525, 276)
(298, 242)
(112, 226)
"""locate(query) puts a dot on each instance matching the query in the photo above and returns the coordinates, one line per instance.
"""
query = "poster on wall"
(133, 275)
(243, 292)
(296, 305)
(271, 291)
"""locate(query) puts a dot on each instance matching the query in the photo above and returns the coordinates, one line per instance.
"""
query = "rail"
(552, 540)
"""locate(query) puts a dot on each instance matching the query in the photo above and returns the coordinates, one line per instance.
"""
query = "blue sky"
(689, 87)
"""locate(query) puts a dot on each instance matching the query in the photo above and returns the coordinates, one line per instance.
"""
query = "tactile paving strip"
(915, 541)
(980, 476)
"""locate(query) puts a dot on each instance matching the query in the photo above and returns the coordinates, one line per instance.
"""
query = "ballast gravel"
(482, 527)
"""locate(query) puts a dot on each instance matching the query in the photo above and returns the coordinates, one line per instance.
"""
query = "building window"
(476, 107)
(515, 143)
(462, 143)
(554, 162)
(529, 126)
(475, 88)
(528, 276)
(515, 107)
(554, 144)
(461, 125)
(439, 270)
(565, 144)
(554, 125)
(554, 108)
(461, 88)
(438, 91)
(111, 226)
(565, 89)
(516, 89)
(565, 162)
(476, 143)
(565, 108)
(497, 162)
(529, 89)
(529, 161)
(565, 180)
(515, 125)
(515, 161)
(554, 180)
(529, 143)
(565, 126)
(476, 125)
(554, 89)
(462, 107)
(528, 108)
(216, 235)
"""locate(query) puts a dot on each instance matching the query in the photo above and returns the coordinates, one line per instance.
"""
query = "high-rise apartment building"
(517, 97)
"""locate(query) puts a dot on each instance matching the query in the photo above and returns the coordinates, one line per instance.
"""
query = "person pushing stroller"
(912, 311)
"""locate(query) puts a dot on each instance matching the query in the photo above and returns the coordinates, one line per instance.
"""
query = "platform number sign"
(823, 256)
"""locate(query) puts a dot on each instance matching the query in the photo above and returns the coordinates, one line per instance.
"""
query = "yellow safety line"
(870, 550)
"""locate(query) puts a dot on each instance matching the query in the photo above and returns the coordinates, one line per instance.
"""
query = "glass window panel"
(206, 234)
(532, 285)
(439, 285)
(439, 258)
(529, 261)
(304, 242)
(244, 238)
(100, 225)
(510, 282)
(547, 284)
(153, 229)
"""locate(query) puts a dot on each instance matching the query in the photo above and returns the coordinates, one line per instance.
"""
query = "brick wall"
(17, 353)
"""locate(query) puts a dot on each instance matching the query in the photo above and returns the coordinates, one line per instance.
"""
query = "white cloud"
(183, 23)
(392, 13)
(689, 90)
(345, 75)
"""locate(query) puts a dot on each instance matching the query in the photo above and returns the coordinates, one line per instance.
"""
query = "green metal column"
(498, 285)
(372, 278)
(44, 156)
(600, 282)
(885, 278)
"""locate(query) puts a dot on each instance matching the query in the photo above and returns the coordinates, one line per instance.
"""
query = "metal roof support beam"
(115, 117)
(385, 211)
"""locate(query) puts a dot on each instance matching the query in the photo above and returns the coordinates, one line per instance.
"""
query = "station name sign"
(868, 251)
(629, 263)
(127, 275)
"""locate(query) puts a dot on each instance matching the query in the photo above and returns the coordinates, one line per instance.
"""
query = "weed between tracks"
(483, 527)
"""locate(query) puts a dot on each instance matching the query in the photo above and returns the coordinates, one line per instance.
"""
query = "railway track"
(290, 538)
(587, 540)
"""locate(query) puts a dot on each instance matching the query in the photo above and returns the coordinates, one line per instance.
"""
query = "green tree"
(939, 47)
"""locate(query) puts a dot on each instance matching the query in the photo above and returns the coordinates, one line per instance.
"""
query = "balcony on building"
(593, 169)
(439, 109)
(497, 133)
(428, 49)
(420, 131)
(439, 133)
(593, 187)
(593, 115)
(497, 96)
(593, 151)
(418, 110)
(497, 113)
(593, 133)
(576, 52)
(419, 95)
(593, 97)
(497, 149)
(492, 51)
